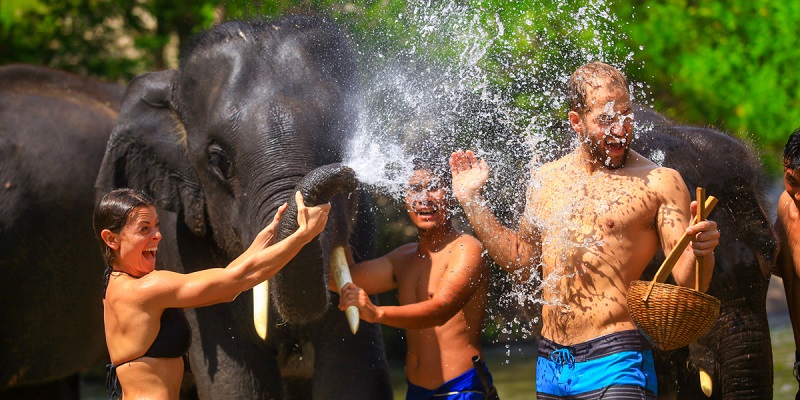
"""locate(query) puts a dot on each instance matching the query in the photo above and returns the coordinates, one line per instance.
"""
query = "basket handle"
(700, 194)
(675, 254)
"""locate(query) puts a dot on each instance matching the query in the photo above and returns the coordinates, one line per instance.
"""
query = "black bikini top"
(174, 336)
(172, 341)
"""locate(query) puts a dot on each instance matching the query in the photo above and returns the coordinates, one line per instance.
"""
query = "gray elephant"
(221, 143)
(53, 130)
(735, 356)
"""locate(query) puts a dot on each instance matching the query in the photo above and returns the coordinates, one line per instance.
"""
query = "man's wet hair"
(791, 152)
(594, 75)
(114, 211)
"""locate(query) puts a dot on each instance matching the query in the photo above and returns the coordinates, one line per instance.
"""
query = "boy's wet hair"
(438, 167)
(791, 152)
(593, 75)
(113, 212)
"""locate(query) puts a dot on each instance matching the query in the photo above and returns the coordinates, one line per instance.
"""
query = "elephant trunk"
(300, 291)
(317, 187)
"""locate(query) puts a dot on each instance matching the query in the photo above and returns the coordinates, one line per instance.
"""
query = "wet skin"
(593, 221)
(442, 285)
(137, 293)
(606, 129)
(787, 226)
(139, 242)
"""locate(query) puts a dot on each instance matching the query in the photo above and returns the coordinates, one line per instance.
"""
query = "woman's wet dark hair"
(113, 211)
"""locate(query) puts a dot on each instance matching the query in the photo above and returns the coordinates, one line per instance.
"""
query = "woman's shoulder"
(143, 291)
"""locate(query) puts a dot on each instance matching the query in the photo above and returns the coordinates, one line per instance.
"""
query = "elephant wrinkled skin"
(53, 130)
(221, 143)
(736, 352)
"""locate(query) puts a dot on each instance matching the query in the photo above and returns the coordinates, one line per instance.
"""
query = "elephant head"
(223, 142)
(734, 359)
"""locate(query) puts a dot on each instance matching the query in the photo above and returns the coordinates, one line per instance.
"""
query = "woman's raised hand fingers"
(277, 218)
(311, 219)
(280, 212)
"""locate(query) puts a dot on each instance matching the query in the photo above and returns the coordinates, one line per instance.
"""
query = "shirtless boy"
(593, 221)
(442, 286)
(788, 227)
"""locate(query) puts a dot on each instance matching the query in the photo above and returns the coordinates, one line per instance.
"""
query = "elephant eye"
(219, 163)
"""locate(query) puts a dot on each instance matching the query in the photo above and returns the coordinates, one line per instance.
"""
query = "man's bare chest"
(594, 207)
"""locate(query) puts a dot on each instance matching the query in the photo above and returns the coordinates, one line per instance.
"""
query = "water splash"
(491, 80)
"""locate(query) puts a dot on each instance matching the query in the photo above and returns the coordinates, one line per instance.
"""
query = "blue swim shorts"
(466, 386)
(615, 366)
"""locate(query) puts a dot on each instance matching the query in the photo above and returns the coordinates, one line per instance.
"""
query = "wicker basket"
(673, 316)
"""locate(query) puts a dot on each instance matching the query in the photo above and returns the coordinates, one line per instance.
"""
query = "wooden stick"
(698, 268)
(675, 254)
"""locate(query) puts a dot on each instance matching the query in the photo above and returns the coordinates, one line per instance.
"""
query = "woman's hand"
(311, 220)
(266, 237)
(353, 295)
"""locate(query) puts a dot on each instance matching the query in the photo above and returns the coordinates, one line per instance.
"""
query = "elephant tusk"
(705, 382)
(341, 276)
(261, 308)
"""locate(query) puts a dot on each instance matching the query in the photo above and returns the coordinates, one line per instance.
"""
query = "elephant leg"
(741, 342)
(227, 364)
(349, 366)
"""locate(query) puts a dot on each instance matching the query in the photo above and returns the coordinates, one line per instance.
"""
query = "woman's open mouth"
(150, 254)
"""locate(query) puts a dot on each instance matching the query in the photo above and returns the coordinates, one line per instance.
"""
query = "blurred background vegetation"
(726, 64)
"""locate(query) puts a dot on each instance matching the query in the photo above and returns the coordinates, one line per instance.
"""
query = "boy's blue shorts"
(466, 386)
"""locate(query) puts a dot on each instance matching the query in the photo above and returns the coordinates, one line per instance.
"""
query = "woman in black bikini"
(146, 331)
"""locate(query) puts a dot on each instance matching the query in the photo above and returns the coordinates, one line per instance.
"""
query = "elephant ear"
(147, 150)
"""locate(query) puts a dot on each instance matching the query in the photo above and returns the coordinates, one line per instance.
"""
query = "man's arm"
(514, 251)
(465, 274)
(674, 216)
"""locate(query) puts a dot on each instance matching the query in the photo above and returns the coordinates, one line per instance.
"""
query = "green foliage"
(113, 39)
(724, 64)
(71, 35)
